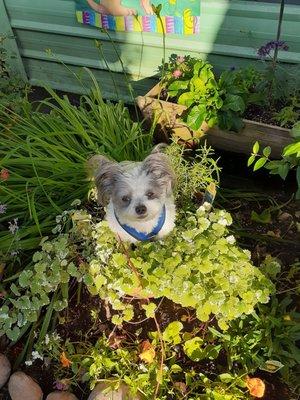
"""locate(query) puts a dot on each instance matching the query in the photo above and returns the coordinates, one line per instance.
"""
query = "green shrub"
(290, 158)
(198, 266)
(193, 174)
(191, 82)
(13, 90)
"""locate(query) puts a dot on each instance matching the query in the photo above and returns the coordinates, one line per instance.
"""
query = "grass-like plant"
(43, 156)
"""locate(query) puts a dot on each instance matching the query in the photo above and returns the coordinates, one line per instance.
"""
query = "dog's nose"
(140, 209)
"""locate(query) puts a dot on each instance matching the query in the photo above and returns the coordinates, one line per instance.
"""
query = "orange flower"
(64, 360)
(148, 352)
(256, 387)
(4, 174)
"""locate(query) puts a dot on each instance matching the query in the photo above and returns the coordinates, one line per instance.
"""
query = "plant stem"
(280, 19)
(275, 56)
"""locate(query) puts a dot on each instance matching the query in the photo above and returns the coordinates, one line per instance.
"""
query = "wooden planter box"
(167, 116)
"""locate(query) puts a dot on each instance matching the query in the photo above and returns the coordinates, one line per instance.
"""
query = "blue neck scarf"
(141, 236)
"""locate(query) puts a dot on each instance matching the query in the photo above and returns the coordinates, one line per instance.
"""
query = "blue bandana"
(141, 236)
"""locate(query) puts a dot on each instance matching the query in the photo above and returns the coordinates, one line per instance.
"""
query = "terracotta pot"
(167, 115)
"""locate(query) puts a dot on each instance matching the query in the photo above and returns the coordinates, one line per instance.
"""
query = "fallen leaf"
(272, 366)
(115, 341)
(256, 387)
(181, 386)
(284, 216)
(148, 353)
(64, 360)
(263, 218)
(276, 233)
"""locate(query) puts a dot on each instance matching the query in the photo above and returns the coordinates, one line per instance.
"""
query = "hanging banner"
(177, 16)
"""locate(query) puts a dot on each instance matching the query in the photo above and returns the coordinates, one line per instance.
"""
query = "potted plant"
(190, 101)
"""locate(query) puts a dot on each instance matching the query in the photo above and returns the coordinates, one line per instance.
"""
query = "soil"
(264, 114)
(242, 192)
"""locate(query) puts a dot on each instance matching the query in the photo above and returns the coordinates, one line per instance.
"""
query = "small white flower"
(47, 339)
(28, 363)
(223, 221)
(201, 209)
(230, 239)
(247, 252)
(207, 206)
(56, 337)
(143, 368)
(36, 355)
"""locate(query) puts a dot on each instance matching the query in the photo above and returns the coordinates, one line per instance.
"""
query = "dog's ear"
(105, 174)
(158, 165)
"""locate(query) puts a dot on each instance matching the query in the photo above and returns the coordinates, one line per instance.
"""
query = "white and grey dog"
(138, 195)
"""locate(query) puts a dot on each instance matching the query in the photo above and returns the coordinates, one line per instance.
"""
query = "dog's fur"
(114, 7)
(128, 186)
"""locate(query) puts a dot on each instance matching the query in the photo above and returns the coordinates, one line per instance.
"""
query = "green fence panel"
(14, 59)
(231, 33)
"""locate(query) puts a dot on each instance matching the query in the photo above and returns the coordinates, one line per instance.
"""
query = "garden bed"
(168, 114)
(87, 318)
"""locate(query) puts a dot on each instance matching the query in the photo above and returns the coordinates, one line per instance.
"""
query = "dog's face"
(138, 190)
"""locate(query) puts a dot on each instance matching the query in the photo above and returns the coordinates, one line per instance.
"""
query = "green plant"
(13, 90)
(137, 364)
(233, 97)
(289, 115)
(290, 158)
(266, 339)
(192, 83)
(194, 173)
(42, 283)
(44, 157)
(185, 268)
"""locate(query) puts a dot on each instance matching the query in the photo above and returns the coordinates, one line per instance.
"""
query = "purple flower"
(266, 49)
(3, 208)
(13, 226)
(63, 384)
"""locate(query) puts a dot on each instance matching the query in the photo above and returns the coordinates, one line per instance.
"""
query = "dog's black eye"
(150, 195)
(126, 199)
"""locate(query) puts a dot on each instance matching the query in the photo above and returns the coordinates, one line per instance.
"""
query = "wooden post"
(14, 59)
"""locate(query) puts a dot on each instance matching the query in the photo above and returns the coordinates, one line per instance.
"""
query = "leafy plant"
(233, 97)
(193, 174)
(185, 268)
(13, 90)
(44, 283)
(116, 365)
(290, 158)
(266, 339)
(289, 115)
(192, 83)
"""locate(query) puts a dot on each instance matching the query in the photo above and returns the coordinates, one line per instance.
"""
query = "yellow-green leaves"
(172, 332)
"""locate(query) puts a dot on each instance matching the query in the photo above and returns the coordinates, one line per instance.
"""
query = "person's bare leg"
(114, 7)
(97, 7)
(146, 4)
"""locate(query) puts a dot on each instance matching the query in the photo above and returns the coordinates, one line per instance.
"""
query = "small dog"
(139, 196)
(114, 7)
